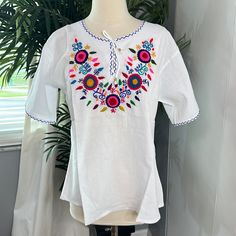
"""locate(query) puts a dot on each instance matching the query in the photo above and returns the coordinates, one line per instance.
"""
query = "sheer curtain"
(38, 210)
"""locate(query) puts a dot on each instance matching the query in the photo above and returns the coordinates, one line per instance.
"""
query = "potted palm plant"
(24, 28)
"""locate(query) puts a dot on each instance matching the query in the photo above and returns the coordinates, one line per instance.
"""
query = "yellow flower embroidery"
(135, 57)
(138, 46)
(89, 58)
(86, 46)
(153, 54)
(72, 55)
(75, 67)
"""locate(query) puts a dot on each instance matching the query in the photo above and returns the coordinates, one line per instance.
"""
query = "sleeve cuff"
(38, 119)
(188, 120)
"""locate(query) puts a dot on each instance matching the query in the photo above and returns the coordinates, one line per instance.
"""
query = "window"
(12, 109)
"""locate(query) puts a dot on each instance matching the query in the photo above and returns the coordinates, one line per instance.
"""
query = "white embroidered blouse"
(112, 88)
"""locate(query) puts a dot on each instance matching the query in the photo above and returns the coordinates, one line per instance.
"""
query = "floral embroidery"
(90, 82)
(139, 69)
(147, 45)
(122, 93)
(77, 46)
(144, 56)
(81, 56)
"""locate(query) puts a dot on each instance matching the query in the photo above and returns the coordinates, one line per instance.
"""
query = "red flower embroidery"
(85, 73)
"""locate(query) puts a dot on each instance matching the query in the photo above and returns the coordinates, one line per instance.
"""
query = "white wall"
(202, 176)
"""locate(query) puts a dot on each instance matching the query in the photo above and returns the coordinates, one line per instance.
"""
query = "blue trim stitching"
(93, 35)
(117, 39)
(35, 118)
(188, 121)
(113, 59)
(130, 34)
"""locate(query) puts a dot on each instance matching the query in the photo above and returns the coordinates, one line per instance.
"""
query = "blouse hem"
(106, 211)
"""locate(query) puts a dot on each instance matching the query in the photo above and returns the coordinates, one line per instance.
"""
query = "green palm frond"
(26, 25)
(155, 11)
(183, 42)
(59, 139)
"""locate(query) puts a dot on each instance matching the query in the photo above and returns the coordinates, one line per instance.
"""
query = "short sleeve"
(174, 88)
(42, 98)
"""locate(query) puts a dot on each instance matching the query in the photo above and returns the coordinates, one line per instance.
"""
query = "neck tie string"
(114, 47)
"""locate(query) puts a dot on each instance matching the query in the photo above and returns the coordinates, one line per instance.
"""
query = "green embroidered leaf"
(120, 82)
(88, 102)
(132, 50)
(105, 85)
(153, 62)
(132, 102)
(92, 52)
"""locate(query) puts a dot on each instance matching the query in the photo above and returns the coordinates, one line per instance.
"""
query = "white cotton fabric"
(112, 161)
(38, 210)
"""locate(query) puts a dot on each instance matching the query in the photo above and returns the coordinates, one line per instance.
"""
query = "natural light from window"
(12, 109)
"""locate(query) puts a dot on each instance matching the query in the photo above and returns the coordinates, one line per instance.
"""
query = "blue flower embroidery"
(147, 45)
(141, 68)
(85, 68)
(77, 46)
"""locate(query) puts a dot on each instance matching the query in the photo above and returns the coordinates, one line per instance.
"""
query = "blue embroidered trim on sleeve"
(37, 119)
(187, 121)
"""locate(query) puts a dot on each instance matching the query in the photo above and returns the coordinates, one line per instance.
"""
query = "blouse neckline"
(116, 39)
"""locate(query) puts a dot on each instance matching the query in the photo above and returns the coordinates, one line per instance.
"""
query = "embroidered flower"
(90, 82)
(141, 62)
(153, 54)
(144, 56)
(81, 56)
(141, 68)
(77, 46)
(134, 81)
(115, 95)
(112, 100)
(147, 45)
(85, 68)
(75, 67)
(86, 47)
